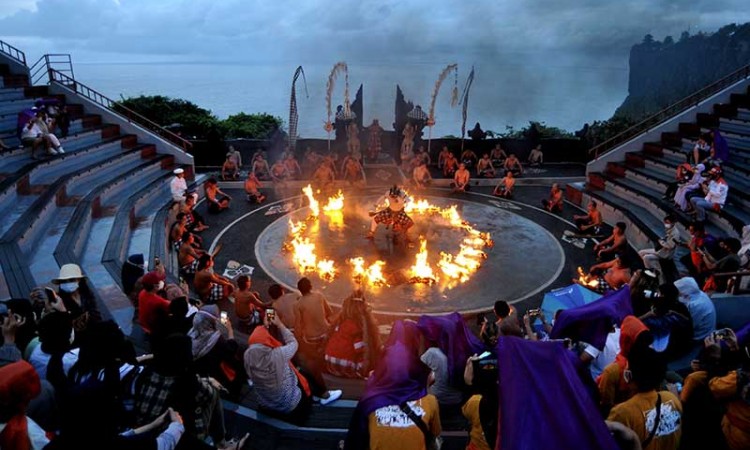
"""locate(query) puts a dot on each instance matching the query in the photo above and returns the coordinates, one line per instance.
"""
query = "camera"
(536, 312)
(270, 314)
(224, 317)
(720, 335)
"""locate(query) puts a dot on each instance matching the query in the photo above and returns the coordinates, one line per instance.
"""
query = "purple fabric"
(743, 335)
(591, 323)
(543, 403)
(399, 376)
(721, 148)
(451, 335)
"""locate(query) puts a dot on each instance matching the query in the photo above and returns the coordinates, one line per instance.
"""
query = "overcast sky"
(357, 31)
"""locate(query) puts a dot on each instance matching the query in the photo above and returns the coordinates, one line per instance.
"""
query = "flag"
(465, 100)
(293, 114)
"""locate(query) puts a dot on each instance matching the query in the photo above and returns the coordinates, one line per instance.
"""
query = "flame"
(587, 280)
(326, 271)
(303, 253)
(335, 203)
(314, 205)
(373, 274)
(421, 207)
(421, 271)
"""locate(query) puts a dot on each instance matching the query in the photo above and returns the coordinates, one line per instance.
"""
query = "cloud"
(363, 31)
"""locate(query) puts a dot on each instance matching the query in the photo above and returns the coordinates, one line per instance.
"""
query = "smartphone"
(224, 317)
(270, 313)
(51, 296)
(484, 355)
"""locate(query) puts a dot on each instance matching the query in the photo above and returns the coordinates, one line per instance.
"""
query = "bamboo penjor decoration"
(337, 68)
(293, 112)
(465, 109)
(435, 90)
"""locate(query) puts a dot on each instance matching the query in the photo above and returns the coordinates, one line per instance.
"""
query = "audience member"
(656, 259)
(439, 382)
(688, 187)
(77, 297)
(597, 360)
(152, 308)
(669, 320)
(354, 344)
(716, 195)
(55, 337)
(702, 310)
(482, 409)
(507, 319)
(215, 355)
(728, 263)
(19, 385)
(700, 150)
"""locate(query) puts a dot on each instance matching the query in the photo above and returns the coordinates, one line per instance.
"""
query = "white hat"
(178, 171)
(68, 272)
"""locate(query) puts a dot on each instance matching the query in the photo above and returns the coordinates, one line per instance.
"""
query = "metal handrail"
(13, 52)
(118, 108)
(39, 71)
(670, 111)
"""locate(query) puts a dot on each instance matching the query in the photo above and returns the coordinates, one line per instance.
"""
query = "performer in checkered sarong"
(393, 214)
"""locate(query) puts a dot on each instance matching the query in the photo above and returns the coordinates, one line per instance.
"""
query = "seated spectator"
(211, 287)
(505, 187)
(354, 345)
(439, 381)
(482, 408)
(188, 256)
(421, 176)
(229, 171)
(554, 203)
(728, 263)
(613, 387)
(395, 393)
(716, 195)
(591, 222)
(461, 179)
(260, 167)
(597, 360)
(450, 166)
(19, 384)
(443, 156)
(683, 174)
(512, 164)
(485, 168)
(283, 303)
(498, 156)
(468, 158)
(281, 389)
(536, 157)
(252, 189)
(507, 319)
(699, 240)
(215, 355)
(248, 307)
(170, 382)
(77, 297)
(700, 150)
(32, 137)
(617, 243)
(686, 188)
(654, 415)
(55, 331)
(314, 318)
(653, 258)
(671, 319)
(152, 308)
(216, 199)
(700, 306)
(744, 252)
(292, 167)
(615, 273)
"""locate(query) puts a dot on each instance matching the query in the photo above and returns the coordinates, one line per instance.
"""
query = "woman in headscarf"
(19, 384)
(281, 388)
(354, 345)
(399, 381)
(680, 197)
(613, 388)
(215, 355)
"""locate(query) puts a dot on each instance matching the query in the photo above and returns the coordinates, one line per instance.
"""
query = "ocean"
(504, 93)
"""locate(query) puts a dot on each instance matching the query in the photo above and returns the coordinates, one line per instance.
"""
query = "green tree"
(251, 126)
(194, 121)
(545, 131)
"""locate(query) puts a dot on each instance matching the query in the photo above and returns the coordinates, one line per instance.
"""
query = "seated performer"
(485, 167)
(450, 165)
(323, 177)
(421, 176)
(505, 187)
(393, 214)
(461, 179)
(498, 156)
(354, 173)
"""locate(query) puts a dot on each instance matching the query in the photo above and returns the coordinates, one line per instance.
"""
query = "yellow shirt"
(470, 410)
(736, 421)
(639, 414)
(391, 429)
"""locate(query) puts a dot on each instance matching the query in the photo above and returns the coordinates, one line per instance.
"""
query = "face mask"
(69, 287)
(145, 266)
(160, 286)
(668, 226)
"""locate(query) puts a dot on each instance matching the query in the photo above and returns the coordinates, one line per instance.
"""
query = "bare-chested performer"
(393, 214)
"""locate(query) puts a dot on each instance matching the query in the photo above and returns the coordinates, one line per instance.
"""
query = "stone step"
(14, 210)
(16, 106)
(42, 263)
(10, 136)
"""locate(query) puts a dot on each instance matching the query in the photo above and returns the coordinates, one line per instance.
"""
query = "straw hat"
(178, 171)
(68, 272)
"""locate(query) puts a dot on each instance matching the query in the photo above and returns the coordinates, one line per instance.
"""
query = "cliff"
(662, 73)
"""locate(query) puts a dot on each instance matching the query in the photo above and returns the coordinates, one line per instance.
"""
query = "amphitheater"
(108, 197)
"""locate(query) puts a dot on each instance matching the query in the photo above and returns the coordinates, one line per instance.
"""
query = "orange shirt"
(736, 421)
(639, 414)
(610, 388)
(470, 410)
(392, 429)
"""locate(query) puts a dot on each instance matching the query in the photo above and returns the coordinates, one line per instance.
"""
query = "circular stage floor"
(525, 259)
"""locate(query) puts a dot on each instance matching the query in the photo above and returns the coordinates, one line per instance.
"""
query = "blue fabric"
(399, 376)
(451, 335)
(543, 402)
(721, 147)
(568, 297)
(593, 322)
(743, 335)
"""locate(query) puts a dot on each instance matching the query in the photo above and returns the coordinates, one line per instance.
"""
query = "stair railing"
(117, 108)
(670, 111)
(39, 72)
(12, 52)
